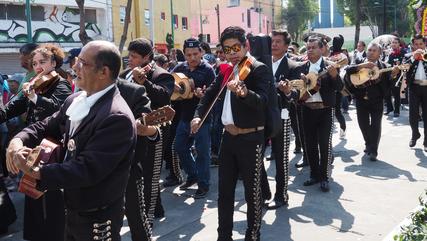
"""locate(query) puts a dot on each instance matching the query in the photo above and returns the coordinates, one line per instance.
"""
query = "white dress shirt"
(420, 74)
(314, 68)
(81, 105)
(227, 114)
(276, 64)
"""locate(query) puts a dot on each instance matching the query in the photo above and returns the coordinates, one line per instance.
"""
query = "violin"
(244, 69)
(41, 83)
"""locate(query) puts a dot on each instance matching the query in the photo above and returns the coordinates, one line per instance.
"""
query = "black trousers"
(103, 224)
(7, 209)
(280, 148)
(44, 218)
(338, 112)
(318, 140)
(417, 99)
(140, 228)
(369, 117)
(299, 139)
(151, 166)
(170, 155)
(395, 93)
(240, 154)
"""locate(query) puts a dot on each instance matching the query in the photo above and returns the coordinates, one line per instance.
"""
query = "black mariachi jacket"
(413, 70)
(328, 86)
(95, 171)
(248, 112)
(373, 92)
(288, 69)
(47, 104)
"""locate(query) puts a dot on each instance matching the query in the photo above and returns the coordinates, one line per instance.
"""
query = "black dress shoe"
(311, 182)
(201, 193)
(302, 164)
(413, 141)
(297, 151)
(388, 112)
(275, 204)
(324, 186)
(187, 184)
(172, 182)
(425, 148)
(373, 157)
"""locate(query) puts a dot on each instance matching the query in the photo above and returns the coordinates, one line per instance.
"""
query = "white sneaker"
(342, 134)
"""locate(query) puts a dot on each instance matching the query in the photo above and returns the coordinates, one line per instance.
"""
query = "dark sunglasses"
(236, 48)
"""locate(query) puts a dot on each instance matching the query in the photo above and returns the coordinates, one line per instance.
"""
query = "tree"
(371, 12)
(357, 22)
(297, 14)
(84, 38)
(126, 26)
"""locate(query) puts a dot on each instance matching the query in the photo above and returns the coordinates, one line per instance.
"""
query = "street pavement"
(366, 201)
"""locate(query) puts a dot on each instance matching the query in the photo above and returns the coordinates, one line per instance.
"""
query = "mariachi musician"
(370, 98)
(417, 82)
(243, 117)
(317, 113)
(43, 217)
(283, 69)
(159, 86)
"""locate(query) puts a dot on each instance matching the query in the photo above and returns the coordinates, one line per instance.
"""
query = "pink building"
(248, 19)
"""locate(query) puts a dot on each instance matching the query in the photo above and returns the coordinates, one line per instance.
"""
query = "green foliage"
(398, 18)
(417, 230)
(297, 15)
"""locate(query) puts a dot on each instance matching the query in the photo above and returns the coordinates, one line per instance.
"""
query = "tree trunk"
(126, 26)
(84, 38)
(357, 23)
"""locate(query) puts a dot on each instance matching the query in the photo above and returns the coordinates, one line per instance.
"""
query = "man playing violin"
(317, 113)
(244, 119)
(417, 82)
(43, 217)
(159, 85)
(197, 169)
(370, 98)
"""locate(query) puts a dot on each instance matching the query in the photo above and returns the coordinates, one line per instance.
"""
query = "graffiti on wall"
(59, 25)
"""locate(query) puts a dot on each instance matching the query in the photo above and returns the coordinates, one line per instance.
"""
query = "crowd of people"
(112, 159)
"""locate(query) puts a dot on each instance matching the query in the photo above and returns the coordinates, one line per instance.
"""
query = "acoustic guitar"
(184, 87)
(311, 84)
(365, 75)
(49, 152)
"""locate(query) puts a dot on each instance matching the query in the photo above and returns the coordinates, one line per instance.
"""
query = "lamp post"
(28, 13)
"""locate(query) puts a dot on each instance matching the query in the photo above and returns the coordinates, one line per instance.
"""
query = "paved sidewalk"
(367, 199)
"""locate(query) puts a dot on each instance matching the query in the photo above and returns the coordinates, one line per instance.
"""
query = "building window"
(249, 17)
(175, 21)
(163, 16)
(16, 12)
(122, 14)
(147, 17)
(90, 16)
(208, 38)
(2, 11)
(37, 13)
(184, 23)
(72, 15)
(243, 17)
(234, 3)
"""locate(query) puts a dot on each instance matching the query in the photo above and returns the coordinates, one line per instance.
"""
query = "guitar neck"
(386, 70)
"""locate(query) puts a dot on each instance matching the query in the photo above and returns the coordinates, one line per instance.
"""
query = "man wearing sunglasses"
(243, 117)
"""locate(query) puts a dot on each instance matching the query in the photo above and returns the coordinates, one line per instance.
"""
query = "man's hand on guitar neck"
(333, 72)
(144, 130)
(16, 159)
(395, 71)
(284, 86)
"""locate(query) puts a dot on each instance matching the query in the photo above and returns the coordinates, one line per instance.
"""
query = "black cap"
(191, 43)
(72, 54)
